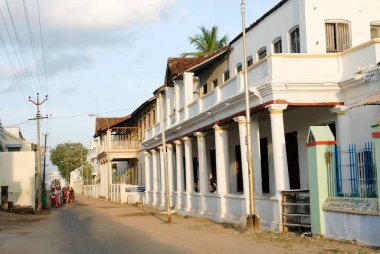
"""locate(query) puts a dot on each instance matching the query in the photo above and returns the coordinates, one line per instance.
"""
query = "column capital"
(276, 108)
(146, 153)
(218, 128)
(177, 142)
(169, 146)
(161, 148)
(240, 119)
(339, 110)
(199, 135)
(153, 151)
(186, 139)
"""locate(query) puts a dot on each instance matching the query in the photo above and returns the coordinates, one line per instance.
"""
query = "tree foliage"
(67, 157)
(206, 43)
(87, 173)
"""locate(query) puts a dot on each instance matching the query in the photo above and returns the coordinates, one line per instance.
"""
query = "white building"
(17, 169)
(308, 62)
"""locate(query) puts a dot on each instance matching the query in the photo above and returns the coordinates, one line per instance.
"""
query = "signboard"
(135, 189)
(368, 206)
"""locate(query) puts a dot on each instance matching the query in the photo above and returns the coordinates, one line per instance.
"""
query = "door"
(4, 194)
(239, 169)
(213, 178)
(264, 165)
(292, 157)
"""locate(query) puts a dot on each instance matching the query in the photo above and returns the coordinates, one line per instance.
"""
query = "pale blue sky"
(104, 56)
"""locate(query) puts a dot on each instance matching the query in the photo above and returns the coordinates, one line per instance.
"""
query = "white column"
(222, 159)
(241, 120)
(147, 176)
(203, 172)
(188, 90)
(222, 166)
(189, 171)
(177, 101)
(281, 175)
(342, 124)
(179, 168)
(169, 152)
(162, 176)
(255, 132)
(203, 176)
(155, 179)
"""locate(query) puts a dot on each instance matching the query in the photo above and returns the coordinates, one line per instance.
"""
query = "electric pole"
(45, 151)
(38, 103)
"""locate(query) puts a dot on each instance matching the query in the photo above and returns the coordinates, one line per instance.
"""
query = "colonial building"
(308, 63)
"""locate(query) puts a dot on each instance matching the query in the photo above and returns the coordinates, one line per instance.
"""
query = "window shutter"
(330, 37)
(343, 37)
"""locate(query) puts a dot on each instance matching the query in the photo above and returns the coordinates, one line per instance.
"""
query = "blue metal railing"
(352, 172)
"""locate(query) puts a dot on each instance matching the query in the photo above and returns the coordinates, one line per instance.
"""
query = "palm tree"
(206, 42)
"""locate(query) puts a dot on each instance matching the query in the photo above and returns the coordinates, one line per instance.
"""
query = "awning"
(373, 99)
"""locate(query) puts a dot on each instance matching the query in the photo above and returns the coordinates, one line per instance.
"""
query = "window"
(215, 83)
(262, 53)
(337, 37)
(294, 35)
(226, 75)
(239, 67)
(14, 149)
(375, 30)
(277, 46)
(249, 61)
(204, 88)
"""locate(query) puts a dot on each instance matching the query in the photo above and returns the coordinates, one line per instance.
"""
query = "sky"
(101, 57)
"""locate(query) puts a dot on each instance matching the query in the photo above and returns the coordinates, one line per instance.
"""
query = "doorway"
(292, 157)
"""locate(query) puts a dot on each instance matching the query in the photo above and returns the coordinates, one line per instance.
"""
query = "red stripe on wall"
(376, 134)
(320, 143)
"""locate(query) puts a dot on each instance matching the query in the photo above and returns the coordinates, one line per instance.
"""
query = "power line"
(32, 42)
(18, 41)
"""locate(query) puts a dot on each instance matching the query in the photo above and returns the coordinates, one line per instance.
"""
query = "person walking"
(72, 197)
(67, 194)
(57, 199)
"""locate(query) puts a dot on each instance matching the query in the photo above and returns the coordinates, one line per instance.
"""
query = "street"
(96, 226)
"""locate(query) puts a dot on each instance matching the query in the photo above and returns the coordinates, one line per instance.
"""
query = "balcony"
(304, 78)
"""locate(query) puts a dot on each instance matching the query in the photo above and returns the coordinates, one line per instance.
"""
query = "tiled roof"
(175, 66)
(104, 123)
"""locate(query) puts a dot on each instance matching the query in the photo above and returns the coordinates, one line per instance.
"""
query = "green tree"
(67, 157)
(206, 43)
(87, 173)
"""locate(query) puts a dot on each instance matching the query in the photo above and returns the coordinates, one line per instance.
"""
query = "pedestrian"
(60, 196)
(63, 195)
(72, 197)
(67, 194)
(52, 196)
(57, 199)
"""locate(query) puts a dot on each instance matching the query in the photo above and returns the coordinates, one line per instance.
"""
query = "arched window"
(277, 45)
(294, 37)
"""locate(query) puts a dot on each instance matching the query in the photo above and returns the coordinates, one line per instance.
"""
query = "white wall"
(359, 13)
(17, 170)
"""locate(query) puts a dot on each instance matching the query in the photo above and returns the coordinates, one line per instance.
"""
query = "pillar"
(255, 137)
(376, 137)
(180, 178)
(280, 163)
(222, 166)
(320, 140)
(342, 125)
(147, 176)
(203, 172)
(162, 177)
(189, 171)
(154, 173)
(170, 156)
(241, 120)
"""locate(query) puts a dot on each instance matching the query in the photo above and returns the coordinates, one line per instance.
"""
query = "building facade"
(308, 62)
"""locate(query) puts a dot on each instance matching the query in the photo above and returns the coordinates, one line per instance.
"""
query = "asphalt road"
(81, 229)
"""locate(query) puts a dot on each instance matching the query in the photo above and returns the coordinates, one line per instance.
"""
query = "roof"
(373, 99)
(275, 8)
(176, 66)
(104, 123)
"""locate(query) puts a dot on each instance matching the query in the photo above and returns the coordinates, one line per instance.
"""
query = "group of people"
(62, 196)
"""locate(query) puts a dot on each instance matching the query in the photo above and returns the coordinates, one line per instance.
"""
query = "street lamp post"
(253, 220)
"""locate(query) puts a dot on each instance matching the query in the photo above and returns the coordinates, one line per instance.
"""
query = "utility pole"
(253, 220)
(45, 151)
(38, 103)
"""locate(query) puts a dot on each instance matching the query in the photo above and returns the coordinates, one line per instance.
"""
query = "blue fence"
(352, 172)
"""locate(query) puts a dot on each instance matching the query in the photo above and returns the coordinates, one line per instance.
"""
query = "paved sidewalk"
(96, 226)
